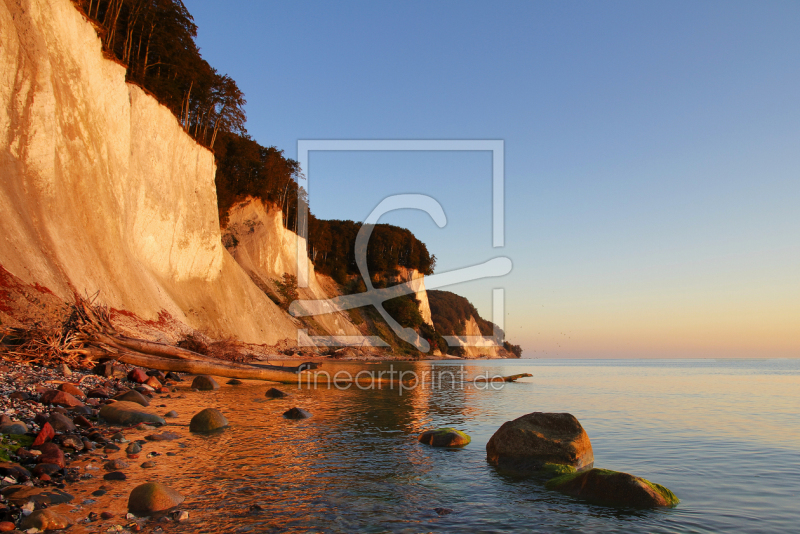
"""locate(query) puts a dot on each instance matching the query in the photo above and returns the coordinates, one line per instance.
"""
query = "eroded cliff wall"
(257, 239)
(102, 190)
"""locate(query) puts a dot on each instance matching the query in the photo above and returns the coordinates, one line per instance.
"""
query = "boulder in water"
(538, 443)
(209, 420)
(275, 393)
(613, 488)
(296, 413)
(153, 497)
(128, 413)
(444, 437)
(204, 383)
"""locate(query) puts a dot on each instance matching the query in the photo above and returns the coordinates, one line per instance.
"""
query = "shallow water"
(724, 435)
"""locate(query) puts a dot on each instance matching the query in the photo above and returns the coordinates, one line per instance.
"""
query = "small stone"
(66, 387)
(19, 396)
(7, 526)
(111, 448)
(275, 393)
(128, 413)
(115, 465)
(153, 497)
(181, 515)
(172, 414)
(99, 493)
(234, 382)
(52, 454)
(64, 369)
(60, 398)
(296, 413)
(15, 427)
(98, 393)
(204, 383)
(148, 464)
(174, 376)
(138, 375)
(133, 396)
(443, 511)
(81, 421)
(208, 420)
(153, 383)
(72, 442)
(133, 448)
(61, 423)
(115, 475)
(106, 515)
(444, 437)
(44, 520)
(163, 436)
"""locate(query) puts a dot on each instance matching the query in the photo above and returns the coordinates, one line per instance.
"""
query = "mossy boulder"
(444, 437)
(209, 420)
(128, 413)
(614, 488)
(153, 497)
(536, 443)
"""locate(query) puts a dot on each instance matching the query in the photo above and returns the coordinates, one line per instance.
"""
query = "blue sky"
(652, 153)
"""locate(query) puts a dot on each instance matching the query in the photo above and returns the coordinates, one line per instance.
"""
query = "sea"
(723, 435)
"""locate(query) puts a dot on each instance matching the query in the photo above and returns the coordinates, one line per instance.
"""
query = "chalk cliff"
(257, 239)
(102, 190)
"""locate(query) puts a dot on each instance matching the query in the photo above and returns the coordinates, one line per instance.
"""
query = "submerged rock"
(208, 420)
(613, 488)
(275, 393)
(296, 413)
(153, 497)
(19, 495)
(204, 383)
(444, 437)
(128, 413)
(538, 443)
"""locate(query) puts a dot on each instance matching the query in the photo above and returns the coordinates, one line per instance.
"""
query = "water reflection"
(356, 464)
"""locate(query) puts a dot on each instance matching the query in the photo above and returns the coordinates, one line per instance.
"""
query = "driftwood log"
(510, 378)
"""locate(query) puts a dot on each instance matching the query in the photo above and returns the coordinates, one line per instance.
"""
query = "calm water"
(724, 435)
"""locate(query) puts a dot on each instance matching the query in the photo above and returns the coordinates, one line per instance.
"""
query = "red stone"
(45, 434)
(60, 398)
(138, 375)
(133, 456)
(82, 421)
(52, 454)
(72, 390)
(44, 477)
(7, 526)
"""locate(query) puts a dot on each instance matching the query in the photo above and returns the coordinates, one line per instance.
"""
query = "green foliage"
(287, 288)
(332, 249)
(450, 313)
(516, 350)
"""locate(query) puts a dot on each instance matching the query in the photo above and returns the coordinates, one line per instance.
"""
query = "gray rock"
(171, 414)
(15, 427)
(128, 413)
(19, 495)
(133, 448)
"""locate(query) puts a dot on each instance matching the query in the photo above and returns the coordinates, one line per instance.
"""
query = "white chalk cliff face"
(485, 349)
(417, 281)
(102, 190)
(267, 250)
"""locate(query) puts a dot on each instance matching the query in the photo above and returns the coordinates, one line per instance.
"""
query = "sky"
(651, 153)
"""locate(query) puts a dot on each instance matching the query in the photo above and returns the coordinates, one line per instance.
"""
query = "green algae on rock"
(614, 488)
(444, 437)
